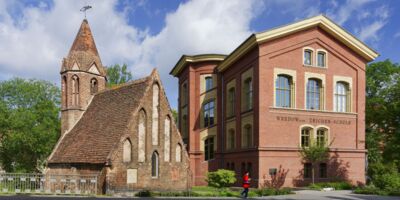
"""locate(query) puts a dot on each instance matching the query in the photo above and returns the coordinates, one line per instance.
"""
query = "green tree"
(382, 112)
(175, 115)
(29, 123)
(117, 75)
(314, 154)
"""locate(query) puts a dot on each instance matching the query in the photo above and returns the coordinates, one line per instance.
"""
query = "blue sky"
(36, 34)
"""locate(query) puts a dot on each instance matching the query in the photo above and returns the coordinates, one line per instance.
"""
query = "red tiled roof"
(106, 119)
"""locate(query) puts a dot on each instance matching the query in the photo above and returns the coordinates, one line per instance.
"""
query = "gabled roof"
(102, 125)
(318, 21)
(83, 51)
(186, 59)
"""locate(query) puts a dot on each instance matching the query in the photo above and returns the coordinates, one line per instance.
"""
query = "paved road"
(300, 195)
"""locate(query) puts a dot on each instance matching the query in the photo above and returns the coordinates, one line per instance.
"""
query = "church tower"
(82, 75)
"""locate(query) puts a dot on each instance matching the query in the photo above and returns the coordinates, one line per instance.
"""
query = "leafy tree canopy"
(29, 123)
(383, 112)
(117, 75)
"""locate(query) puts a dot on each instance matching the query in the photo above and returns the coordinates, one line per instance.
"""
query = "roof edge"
(185, 59)
(320, 20)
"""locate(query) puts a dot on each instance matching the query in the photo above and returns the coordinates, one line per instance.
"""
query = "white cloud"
(396, 35)
(341, 14)
(33, 44)
(370, 32)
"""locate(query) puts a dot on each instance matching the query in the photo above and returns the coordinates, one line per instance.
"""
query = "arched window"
(321, 59)
(243, 168)
(208, 113)
(248, 92)
(156, 103)
(342, 96)
(167, 139)
(284, 88)
(209, 83)
(209, 148)
(75, 90)
(308, 57)
(127, 151)
(142, 136)
(184, 94)
(230, 139)
(314, 88)
(231, 102)
(305, 137)
(247, 136)
(65, 91)
(322, 137)
(178, 153)
(154, 165)
(93, 86)
(184, 125)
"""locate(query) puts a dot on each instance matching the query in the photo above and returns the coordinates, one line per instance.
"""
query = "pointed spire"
(83, 53)
(84, 40)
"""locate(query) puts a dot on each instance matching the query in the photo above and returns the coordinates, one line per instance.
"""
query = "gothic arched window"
(154, 165)
(156, 102)
(93, 86)
(178, 153)
(142, 136)
(167, 139)
(127, 151)
(75, 90)
(65, 91)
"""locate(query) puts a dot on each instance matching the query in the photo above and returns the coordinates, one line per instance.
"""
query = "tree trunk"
(312, 172)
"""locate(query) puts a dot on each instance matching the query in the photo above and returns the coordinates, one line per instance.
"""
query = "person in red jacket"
(246, 184)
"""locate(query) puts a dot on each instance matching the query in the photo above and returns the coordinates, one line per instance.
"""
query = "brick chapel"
(125, 135)
(276, 93)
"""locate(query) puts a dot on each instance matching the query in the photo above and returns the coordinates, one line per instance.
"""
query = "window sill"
(248, 111)
(315, 111)
(316, 67)
(208, 127)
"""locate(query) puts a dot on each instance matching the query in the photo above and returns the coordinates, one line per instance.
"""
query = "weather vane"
(85, 8)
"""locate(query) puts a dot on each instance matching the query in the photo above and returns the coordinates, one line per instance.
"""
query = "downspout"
(222, 121)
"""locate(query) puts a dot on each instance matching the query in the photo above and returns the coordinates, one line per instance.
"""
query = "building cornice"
(318, 21)
(185, 59)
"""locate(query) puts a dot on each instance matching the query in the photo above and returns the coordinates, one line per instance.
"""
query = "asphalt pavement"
(300, 195)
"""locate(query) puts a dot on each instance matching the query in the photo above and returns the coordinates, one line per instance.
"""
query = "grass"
(205, 191)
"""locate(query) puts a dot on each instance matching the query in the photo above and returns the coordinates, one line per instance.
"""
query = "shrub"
(276, 180)
(272, 191)
(383, 176)
(221, 178)
(387, 181)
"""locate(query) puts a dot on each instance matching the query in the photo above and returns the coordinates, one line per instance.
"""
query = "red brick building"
(278, 91)
(126, 135)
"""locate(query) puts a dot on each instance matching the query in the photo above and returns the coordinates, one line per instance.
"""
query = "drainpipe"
(222, 121)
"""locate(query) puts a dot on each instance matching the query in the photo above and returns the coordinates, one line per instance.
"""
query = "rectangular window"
(209, 83)
(307, 170)
(208, 113)
(321, 59)
(231, 102)
(323, 170)
(308, 57)
(209, 148)
(249, 93)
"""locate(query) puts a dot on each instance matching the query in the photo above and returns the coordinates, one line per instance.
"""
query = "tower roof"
(84, 40)
(83, 55)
